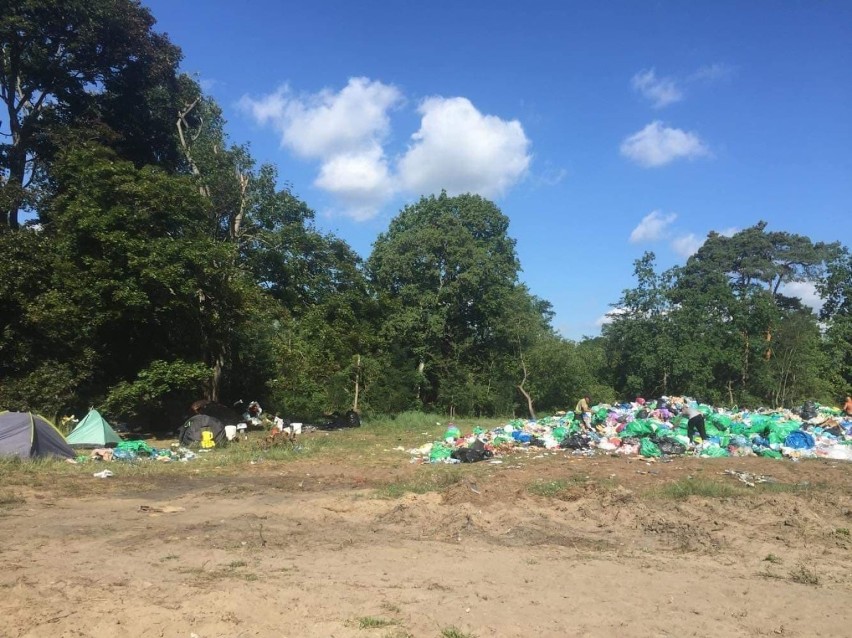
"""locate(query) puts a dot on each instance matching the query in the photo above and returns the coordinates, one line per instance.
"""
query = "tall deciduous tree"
(445, 270)
(63, 63)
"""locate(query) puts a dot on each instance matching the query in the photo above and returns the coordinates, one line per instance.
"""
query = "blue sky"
(602, 129)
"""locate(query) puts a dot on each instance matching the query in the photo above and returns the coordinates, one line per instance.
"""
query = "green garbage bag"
(779, 431)
(600, 415)
(139, 447)
(560, 432)
(738, 427)
(439, 452)
(648, 448)
(714, 451)
(721, 421)
(770, 454)
(638, 427)
(706, 410)
(712, 430)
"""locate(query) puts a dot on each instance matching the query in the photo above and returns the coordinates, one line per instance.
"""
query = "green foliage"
(78, 63)
(162, 387)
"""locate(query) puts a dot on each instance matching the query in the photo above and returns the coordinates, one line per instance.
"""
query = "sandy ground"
(312, 549)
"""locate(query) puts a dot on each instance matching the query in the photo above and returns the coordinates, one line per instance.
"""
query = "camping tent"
(93, 431)
(190, 432)
(29, 435)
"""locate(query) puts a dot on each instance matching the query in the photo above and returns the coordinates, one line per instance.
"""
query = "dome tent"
(93, 431)
(29, 435)
(190, 432)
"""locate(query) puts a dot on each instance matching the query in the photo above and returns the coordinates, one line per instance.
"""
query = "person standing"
(847, 407)
(695, 422)
(583, 413)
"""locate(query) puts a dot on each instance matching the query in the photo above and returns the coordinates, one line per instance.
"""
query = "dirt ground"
(552, 546)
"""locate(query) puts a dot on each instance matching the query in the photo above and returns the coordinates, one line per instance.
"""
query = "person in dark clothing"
(696, 422)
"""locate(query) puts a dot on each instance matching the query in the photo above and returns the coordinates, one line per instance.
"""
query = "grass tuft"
(804, 575)
(452, 632)
(772, 558)
(429, 480)
(371, 622)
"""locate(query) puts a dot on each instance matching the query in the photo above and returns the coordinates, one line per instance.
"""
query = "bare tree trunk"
(183, 129)
(357, 381)
(521, 387)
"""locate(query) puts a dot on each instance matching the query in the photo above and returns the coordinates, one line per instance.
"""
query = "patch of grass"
(840, 531)
(804, 575)
(452, 632)
(391, 608)
(429, 480)
(169, 557)
(772, 558)
(234, 564)
(548, 489)
(371, 622)
(684, 488)
(8, 500)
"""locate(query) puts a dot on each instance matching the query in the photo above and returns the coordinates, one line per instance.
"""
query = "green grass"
(452, 632)
(430, 479)
(772, 558)
(712, 488)
(371, 622)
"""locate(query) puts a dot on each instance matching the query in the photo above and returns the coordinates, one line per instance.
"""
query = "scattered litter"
(164, 509)
(103, 474)
(748, 478)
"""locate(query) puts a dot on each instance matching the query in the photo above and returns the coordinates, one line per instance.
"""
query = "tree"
(445, 270)
(134, 278)
(640, 336)
(78, 61)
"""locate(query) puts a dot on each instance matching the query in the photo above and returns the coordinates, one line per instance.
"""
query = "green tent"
(93, 430)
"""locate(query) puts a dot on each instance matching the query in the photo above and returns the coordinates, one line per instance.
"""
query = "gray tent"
(29, 435)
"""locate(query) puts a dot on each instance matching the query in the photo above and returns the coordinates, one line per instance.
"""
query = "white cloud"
(609, 316)
(729, 232)
(712, 73)
(805, 291)
(345, 131)
(327, 123)
(660, 91)
(652, 227)
(687, 245)
(459, 149)
(657, 145)
(360, 179)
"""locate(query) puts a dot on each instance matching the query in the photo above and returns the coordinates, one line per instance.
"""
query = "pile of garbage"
(652, 430)
(135, 450)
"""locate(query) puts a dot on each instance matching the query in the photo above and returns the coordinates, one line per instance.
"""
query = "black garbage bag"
(576, 441)
(473, 454)
(536, 442)
(668, 445)
(808, 411)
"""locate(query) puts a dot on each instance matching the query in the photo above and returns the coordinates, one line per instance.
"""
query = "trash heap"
(644, 429)
(135, 450)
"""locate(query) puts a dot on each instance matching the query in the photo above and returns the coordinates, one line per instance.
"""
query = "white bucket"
(297, 428)
(230, 432)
